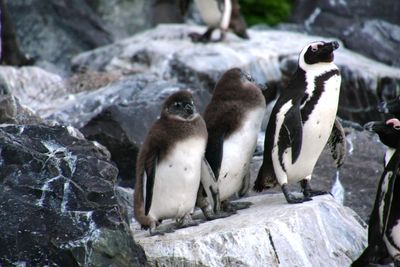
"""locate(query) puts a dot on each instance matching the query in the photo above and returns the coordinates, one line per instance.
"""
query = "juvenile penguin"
(301, 122)
(233, 119)
(384, 222)
(169, 165)
(222, 14)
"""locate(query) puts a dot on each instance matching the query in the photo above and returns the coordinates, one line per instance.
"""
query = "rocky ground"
(72, 125)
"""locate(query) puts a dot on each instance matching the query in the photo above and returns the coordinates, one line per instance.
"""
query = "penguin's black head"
(180, 105)
(388, 132)
(392, 106)
(318, 52)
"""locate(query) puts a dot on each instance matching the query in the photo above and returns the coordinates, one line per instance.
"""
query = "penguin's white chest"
(177, 180)
(394, 235)
(212, 15)
(316, 131)
(238, 150)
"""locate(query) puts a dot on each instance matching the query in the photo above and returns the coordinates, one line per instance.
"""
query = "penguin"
(222, 14)
(384, 222)
(391, 107)
(169, 165)
(233, 118)
(301, 123)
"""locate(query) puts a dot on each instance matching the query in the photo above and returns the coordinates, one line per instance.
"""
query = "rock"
(57, 201)
(369, 27)
(269, 56)
(123, 17)
(54, 31)
(320, 232)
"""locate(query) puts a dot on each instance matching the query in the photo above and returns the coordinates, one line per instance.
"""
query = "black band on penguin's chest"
(319, 84)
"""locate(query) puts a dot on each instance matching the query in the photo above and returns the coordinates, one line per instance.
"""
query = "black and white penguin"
(384, 222)
(219, 14)
(168, 169)
(233, 119)
(301, 123)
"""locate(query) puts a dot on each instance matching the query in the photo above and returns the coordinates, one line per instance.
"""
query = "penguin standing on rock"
(233, 120)
(222, 14)
(302, 121)
(384, 222)
(169, 165)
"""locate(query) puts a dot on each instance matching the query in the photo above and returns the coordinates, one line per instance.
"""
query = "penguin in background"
(218, 14)
(302, 122)
(233, 119)
(169, 165)
(384, 222)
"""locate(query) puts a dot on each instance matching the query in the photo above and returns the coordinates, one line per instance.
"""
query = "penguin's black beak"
(382, 107)
(330, 47)
(375, 126)
(335, 45)
(190, 109)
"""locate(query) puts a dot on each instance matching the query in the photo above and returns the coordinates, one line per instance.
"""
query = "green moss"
(270, 12)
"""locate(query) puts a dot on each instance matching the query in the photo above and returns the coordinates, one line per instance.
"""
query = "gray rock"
(54, 31)
(123, 17)
(369, 27)
(269, 233)
(57, 202)
(269, 56)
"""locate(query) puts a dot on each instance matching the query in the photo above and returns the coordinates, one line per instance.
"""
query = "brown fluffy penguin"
(169, 165)
(233, 120)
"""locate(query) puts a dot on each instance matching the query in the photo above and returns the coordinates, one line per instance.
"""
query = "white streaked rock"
(270, 233)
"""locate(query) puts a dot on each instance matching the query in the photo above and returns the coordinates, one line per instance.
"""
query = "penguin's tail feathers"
(265, 180)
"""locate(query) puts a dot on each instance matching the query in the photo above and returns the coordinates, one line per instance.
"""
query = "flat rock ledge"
(271, 232)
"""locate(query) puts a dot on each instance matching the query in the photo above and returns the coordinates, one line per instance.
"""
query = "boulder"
(271, 232)
(369, 27)
(54, 31)
(269, 55)
(57, 201)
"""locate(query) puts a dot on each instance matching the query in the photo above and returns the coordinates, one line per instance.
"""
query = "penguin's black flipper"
(214, 153)
(149, 176)
(337, 143)
(391, 197)
(291, 134)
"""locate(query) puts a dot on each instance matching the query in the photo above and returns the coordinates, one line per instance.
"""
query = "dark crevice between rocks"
(108, 132)
(273, 245)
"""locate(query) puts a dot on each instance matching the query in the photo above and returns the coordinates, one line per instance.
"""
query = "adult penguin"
(384, 226)
(301, 123)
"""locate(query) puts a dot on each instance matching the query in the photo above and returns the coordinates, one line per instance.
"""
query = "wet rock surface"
(57, 201)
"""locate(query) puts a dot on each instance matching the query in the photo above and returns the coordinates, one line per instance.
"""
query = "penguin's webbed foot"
(201, 38)
(234, 206)
(241, 205)
(161, 231)
(292, 199)
(211, 215)
(308, 192)
(186, 221)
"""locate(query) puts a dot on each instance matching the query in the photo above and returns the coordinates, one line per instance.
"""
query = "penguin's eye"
(314, 48)
(396, 127)
(178, 105)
